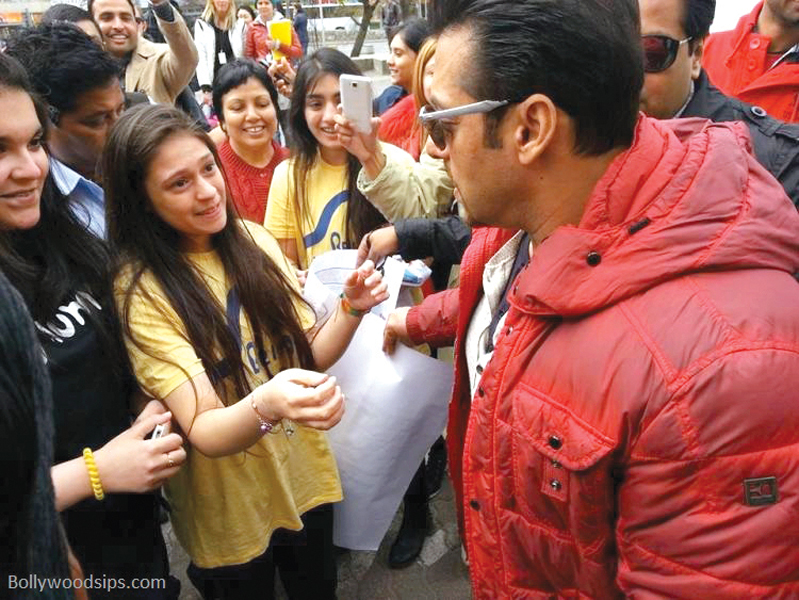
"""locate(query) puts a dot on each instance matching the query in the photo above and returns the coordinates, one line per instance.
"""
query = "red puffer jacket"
(398, 126)
(637, 429)
(737, 63)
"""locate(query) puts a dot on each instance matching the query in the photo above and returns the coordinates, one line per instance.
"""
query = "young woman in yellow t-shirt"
(216, 330)
(314, 204)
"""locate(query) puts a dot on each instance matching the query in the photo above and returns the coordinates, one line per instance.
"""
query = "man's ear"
(536, 127)
(696, 57)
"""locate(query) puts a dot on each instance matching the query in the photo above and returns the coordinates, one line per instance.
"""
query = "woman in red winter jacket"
(259, 44)
(408, 48)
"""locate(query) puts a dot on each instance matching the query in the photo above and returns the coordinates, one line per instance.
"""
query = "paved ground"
(438, 574)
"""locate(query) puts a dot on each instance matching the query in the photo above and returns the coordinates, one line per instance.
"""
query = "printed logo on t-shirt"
(323, 225)
(69, 318)
(255, 362)
(336, 243)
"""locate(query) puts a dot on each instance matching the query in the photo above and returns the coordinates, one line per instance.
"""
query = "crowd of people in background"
(618, 187)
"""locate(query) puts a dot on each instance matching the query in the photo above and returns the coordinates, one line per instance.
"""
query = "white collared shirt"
(495, 278)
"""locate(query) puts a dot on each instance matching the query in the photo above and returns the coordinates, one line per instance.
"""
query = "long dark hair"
(58, 256)
(414, 32)
(33, 541)
(142, 242)
(361, 217)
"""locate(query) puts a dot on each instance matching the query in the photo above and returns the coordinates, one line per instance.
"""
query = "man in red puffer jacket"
(758, 61)
(625, 418)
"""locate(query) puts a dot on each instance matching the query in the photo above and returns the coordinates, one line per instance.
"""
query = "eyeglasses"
(433, 120)
(660, 51)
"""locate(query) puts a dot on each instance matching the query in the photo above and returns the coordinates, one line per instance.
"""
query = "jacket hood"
(687, 197)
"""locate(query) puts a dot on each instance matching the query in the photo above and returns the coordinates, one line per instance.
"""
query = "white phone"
(356, 100)
(159, 430)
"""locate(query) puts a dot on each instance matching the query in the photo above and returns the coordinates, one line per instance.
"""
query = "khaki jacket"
(405, 188)
(162, 70)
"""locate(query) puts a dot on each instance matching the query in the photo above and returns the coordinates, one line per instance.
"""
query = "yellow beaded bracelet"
(94, 474)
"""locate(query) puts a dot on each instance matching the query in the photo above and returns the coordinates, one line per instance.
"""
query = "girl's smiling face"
(187, 191)
(23, 161)
(321, 105)
(249, 117)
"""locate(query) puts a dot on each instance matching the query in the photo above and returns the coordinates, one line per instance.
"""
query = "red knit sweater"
(249, 186)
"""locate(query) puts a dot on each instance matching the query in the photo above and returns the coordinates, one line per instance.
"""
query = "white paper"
(326, 276)
(396, 407)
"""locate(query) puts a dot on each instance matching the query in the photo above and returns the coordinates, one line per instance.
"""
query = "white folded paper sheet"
(396, 407)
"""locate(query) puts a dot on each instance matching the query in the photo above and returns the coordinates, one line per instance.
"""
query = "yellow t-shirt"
(325, 228)
(224, 510)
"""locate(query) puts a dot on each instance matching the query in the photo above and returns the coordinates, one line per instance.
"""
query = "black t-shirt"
(222, 44)
(119, 536)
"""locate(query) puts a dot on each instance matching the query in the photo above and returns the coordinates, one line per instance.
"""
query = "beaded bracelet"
(265, 425)
(94, 474)
(348, 308)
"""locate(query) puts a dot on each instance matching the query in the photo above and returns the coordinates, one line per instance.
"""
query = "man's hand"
(378, 244)
(396, 330)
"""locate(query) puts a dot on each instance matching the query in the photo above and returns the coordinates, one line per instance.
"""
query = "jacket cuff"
(413, 326)
(413, 236)
(366, 185)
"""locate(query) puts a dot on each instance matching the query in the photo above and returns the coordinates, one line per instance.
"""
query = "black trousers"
(305, 560)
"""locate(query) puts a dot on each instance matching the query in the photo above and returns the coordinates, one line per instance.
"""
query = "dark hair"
(68, 13)
(63, 63)
(46, 261)
(141, 242)
(413, 31)
(90, 7)
(57, 256)
(361, 217)
(33, 541)
(697, 19)
(14, 77)
(236, 73)
(248, 8)
(585, 55)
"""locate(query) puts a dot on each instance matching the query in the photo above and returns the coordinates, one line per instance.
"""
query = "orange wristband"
(347, 307)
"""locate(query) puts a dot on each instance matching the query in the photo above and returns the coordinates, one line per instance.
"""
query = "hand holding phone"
(159, 431)
(356, 100)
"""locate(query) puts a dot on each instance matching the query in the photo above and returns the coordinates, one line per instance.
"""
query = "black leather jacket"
(776, 143)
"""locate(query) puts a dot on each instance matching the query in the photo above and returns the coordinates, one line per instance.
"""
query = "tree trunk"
(366, 18)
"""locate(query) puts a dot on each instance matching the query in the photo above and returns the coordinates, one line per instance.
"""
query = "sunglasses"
(435, 121)
(660, 51)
